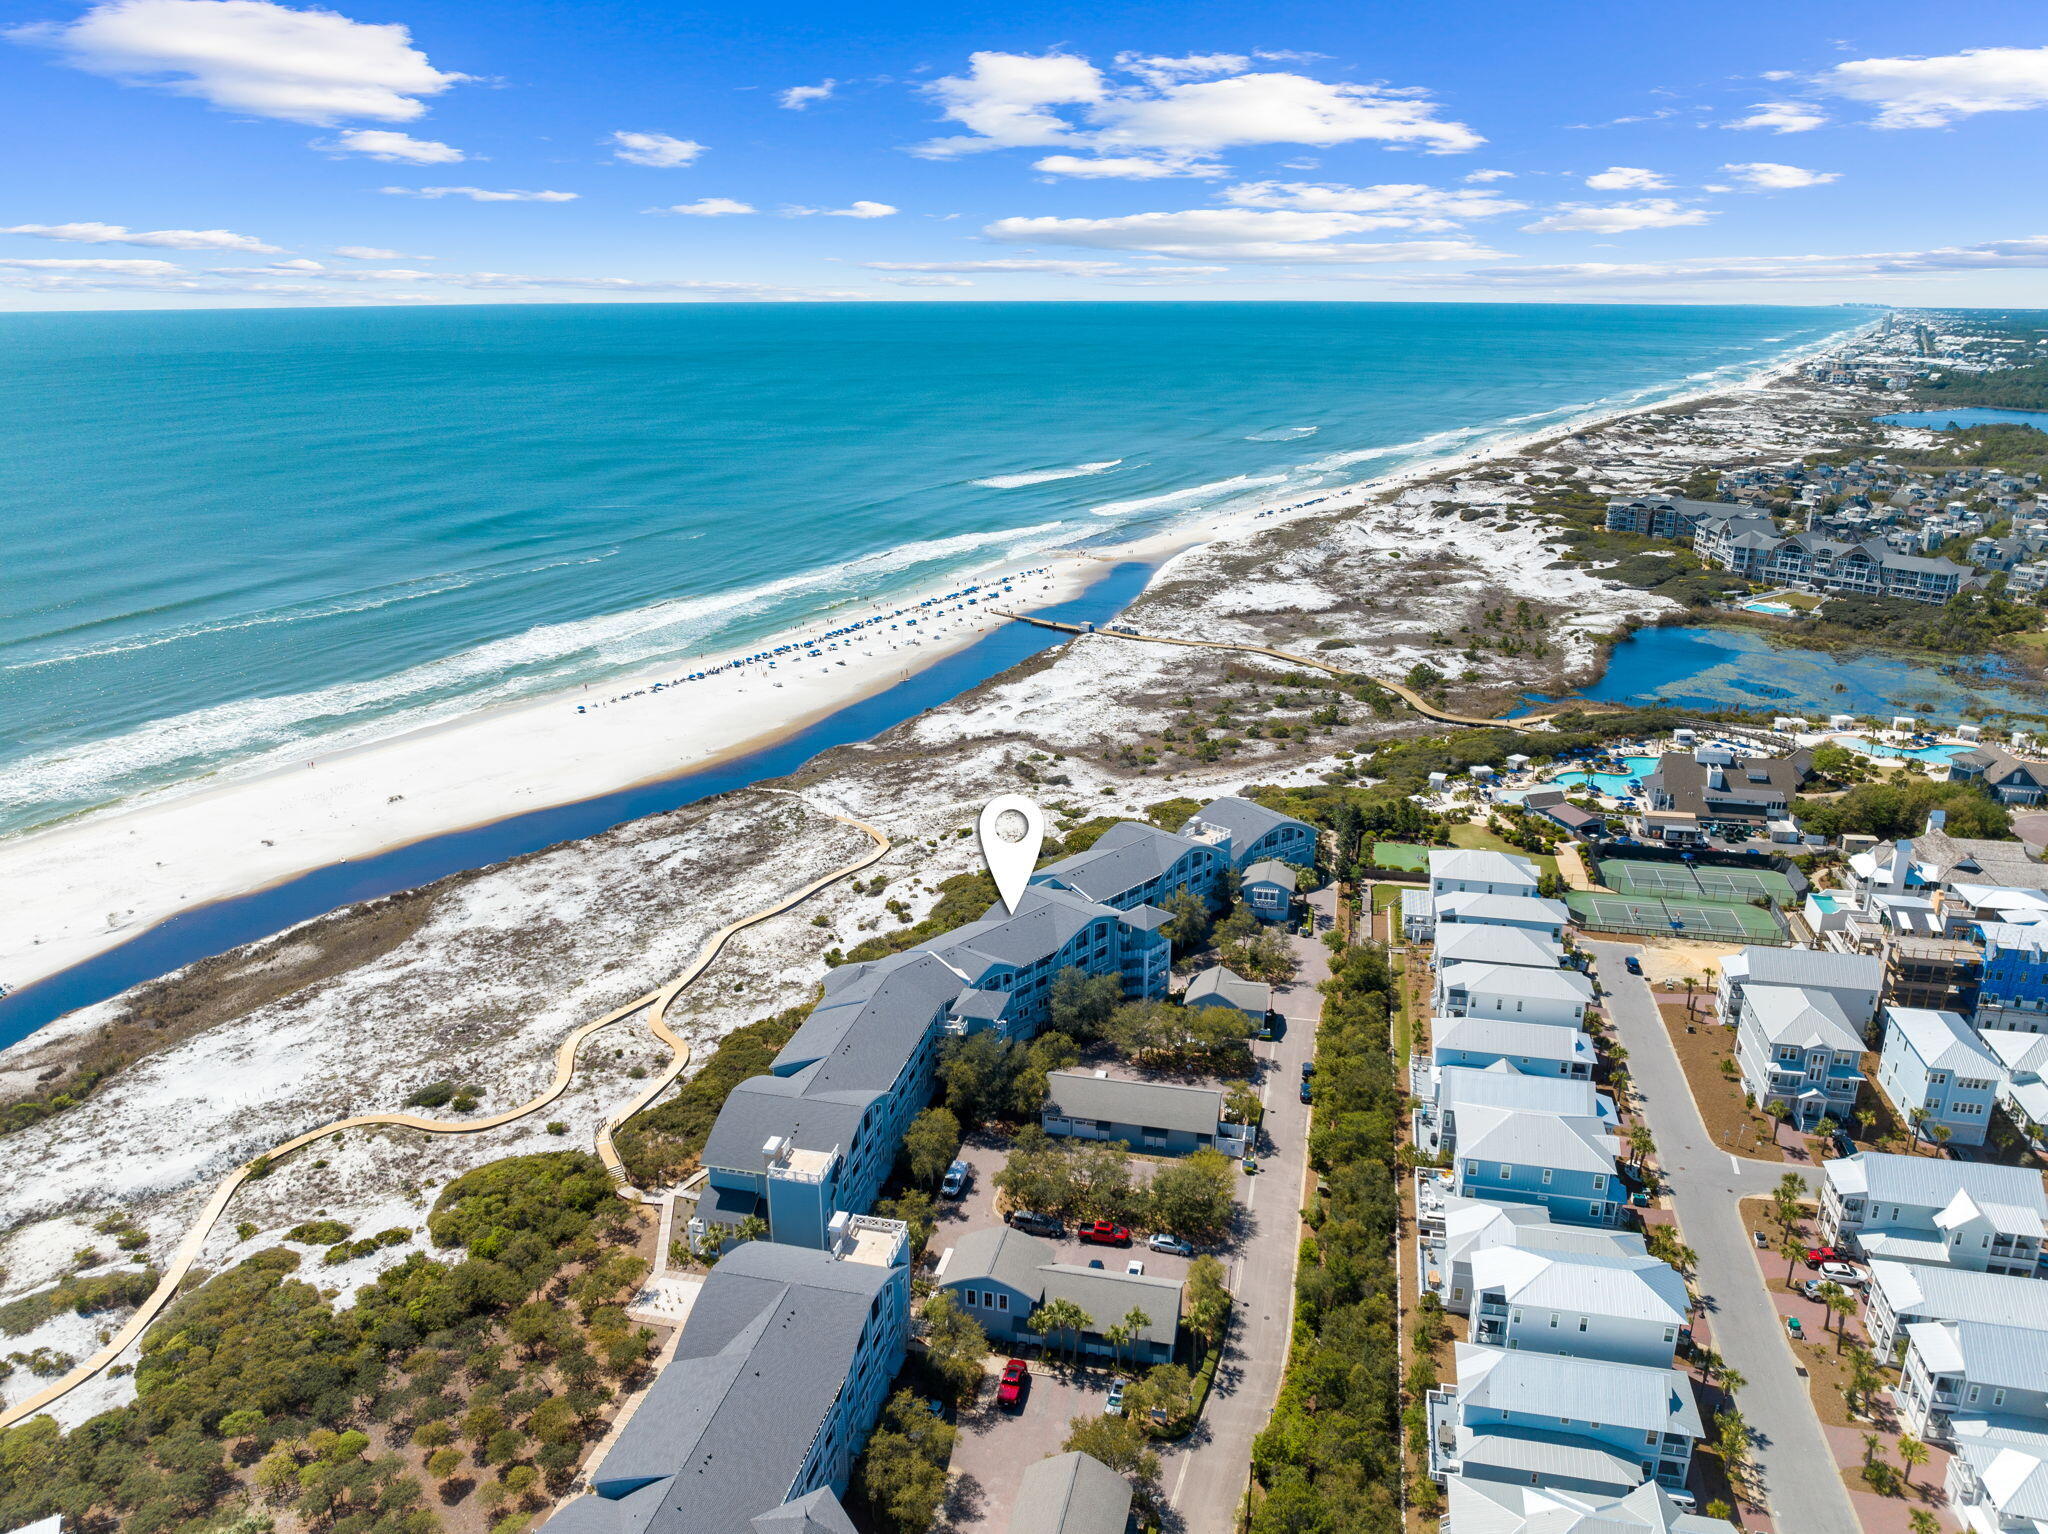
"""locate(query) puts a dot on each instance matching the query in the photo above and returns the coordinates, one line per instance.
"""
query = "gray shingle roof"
(1273, 871)
(1071, 1493)
(1244, 821)
(1108, 1296)
(1219, 984)
(1000, 1253)
(816, 1512)
(1046, 917)
(725, 1429)
(1123, 857)
(1161, 1104)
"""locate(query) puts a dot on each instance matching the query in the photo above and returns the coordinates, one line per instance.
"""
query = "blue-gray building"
(819, 1133)
(780, 1373)
(1563, 1162)
(2013, 995)
(1132, 864)
(1269, 887)
(1249, 833)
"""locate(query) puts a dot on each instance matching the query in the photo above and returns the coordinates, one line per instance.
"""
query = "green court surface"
(1629, 877)
(1408, 855)
(1726, 921)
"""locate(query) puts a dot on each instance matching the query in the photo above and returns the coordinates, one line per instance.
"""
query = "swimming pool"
(1616, 785)
(1774, 609)
(1825, 904)
(1944, 753)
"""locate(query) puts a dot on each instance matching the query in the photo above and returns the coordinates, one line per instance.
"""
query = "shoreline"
(209, 833)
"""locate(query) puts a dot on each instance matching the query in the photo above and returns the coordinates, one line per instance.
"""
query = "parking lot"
(1201, 1478)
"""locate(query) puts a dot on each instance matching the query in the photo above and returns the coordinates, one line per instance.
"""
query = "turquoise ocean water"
(232, 536)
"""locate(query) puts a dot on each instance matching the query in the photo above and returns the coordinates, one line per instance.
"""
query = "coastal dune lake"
(1740, 668)
(244, 538)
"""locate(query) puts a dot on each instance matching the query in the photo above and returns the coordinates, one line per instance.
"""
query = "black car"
(1633, 965)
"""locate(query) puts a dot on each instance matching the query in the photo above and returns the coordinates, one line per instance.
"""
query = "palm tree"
(1064, 1316)
(1135, 1322)
(1843, 1304)
(1828, 1292)
(1920, 1521)
(1914, 1453)
(1942, 1134)
(1918, 1118)
(1641, 1142)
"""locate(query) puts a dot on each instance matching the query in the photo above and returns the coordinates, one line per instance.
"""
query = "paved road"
(1205, 1478)
(1804, 1491)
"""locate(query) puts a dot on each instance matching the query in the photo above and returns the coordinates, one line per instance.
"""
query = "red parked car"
(1105, 1233)
(1817, 1255)
(1016, 1379)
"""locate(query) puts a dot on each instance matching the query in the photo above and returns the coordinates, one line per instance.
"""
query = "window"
(1506, 1171)
(1546, 1177)
(1599, 1182)
(1471, 1169)
(1582, 1323)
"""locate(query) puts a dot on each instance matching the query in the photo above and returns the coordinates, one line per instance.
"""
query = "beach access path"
(1793, 1463)
(655, 1003)
(1401, 690)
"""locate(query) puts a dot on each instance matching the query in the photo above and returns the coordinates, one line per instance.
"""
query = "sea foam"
(1045, 476)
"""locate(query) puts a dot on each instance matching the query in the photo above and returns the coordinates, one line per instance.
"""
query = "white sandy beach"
(91, 884)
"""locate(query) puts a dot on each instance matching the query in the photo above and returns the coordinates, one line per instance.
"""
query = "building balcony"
(1442, 1410)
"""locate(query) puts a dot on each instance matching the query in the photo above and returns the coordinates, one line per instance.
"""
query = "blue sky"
(200, 153)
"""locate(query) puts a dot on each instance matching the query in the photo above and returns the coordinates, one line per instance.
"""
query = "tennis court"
(1725, 921)
(1629, 877)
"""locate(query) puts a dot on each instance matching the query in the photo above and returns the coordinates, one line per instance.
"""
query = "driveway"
(1205, 1477)
(1792, 1457)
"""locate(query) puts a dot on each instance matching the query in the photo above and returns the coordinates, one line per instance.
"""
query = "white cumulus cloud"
(797, 97)
(928, 281)
(162, 239)
(1782, 117)
(1626, 178)
(1195, 107)
(658, 150)
(478, 194)
(390, 144)
(1619, 217)
(708, 207)
(1126, 167)
(1490, 175)
(1393, 205)
(95, 264)
(1232, 234)
(1930, 92)
(375, 253)
(1769, 176)
(309, 66)
(859, 208)
(1009, 264)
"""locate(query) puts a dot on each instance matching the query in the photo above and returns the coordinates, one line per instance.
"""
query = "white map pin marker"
(1011, 830)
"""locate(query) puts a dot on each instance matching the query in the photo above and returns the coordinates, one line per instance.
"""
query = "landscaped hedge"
(1331, 1457)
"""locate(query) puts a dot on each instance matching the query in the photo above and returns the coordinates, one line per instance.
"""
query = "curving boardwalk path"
(1406, 694)
(655, 1002)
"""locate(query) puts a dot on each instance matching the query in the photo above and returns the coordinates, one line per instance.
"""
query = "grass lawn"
(1479, 839)
(1411, 856)
(1734, 1126)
